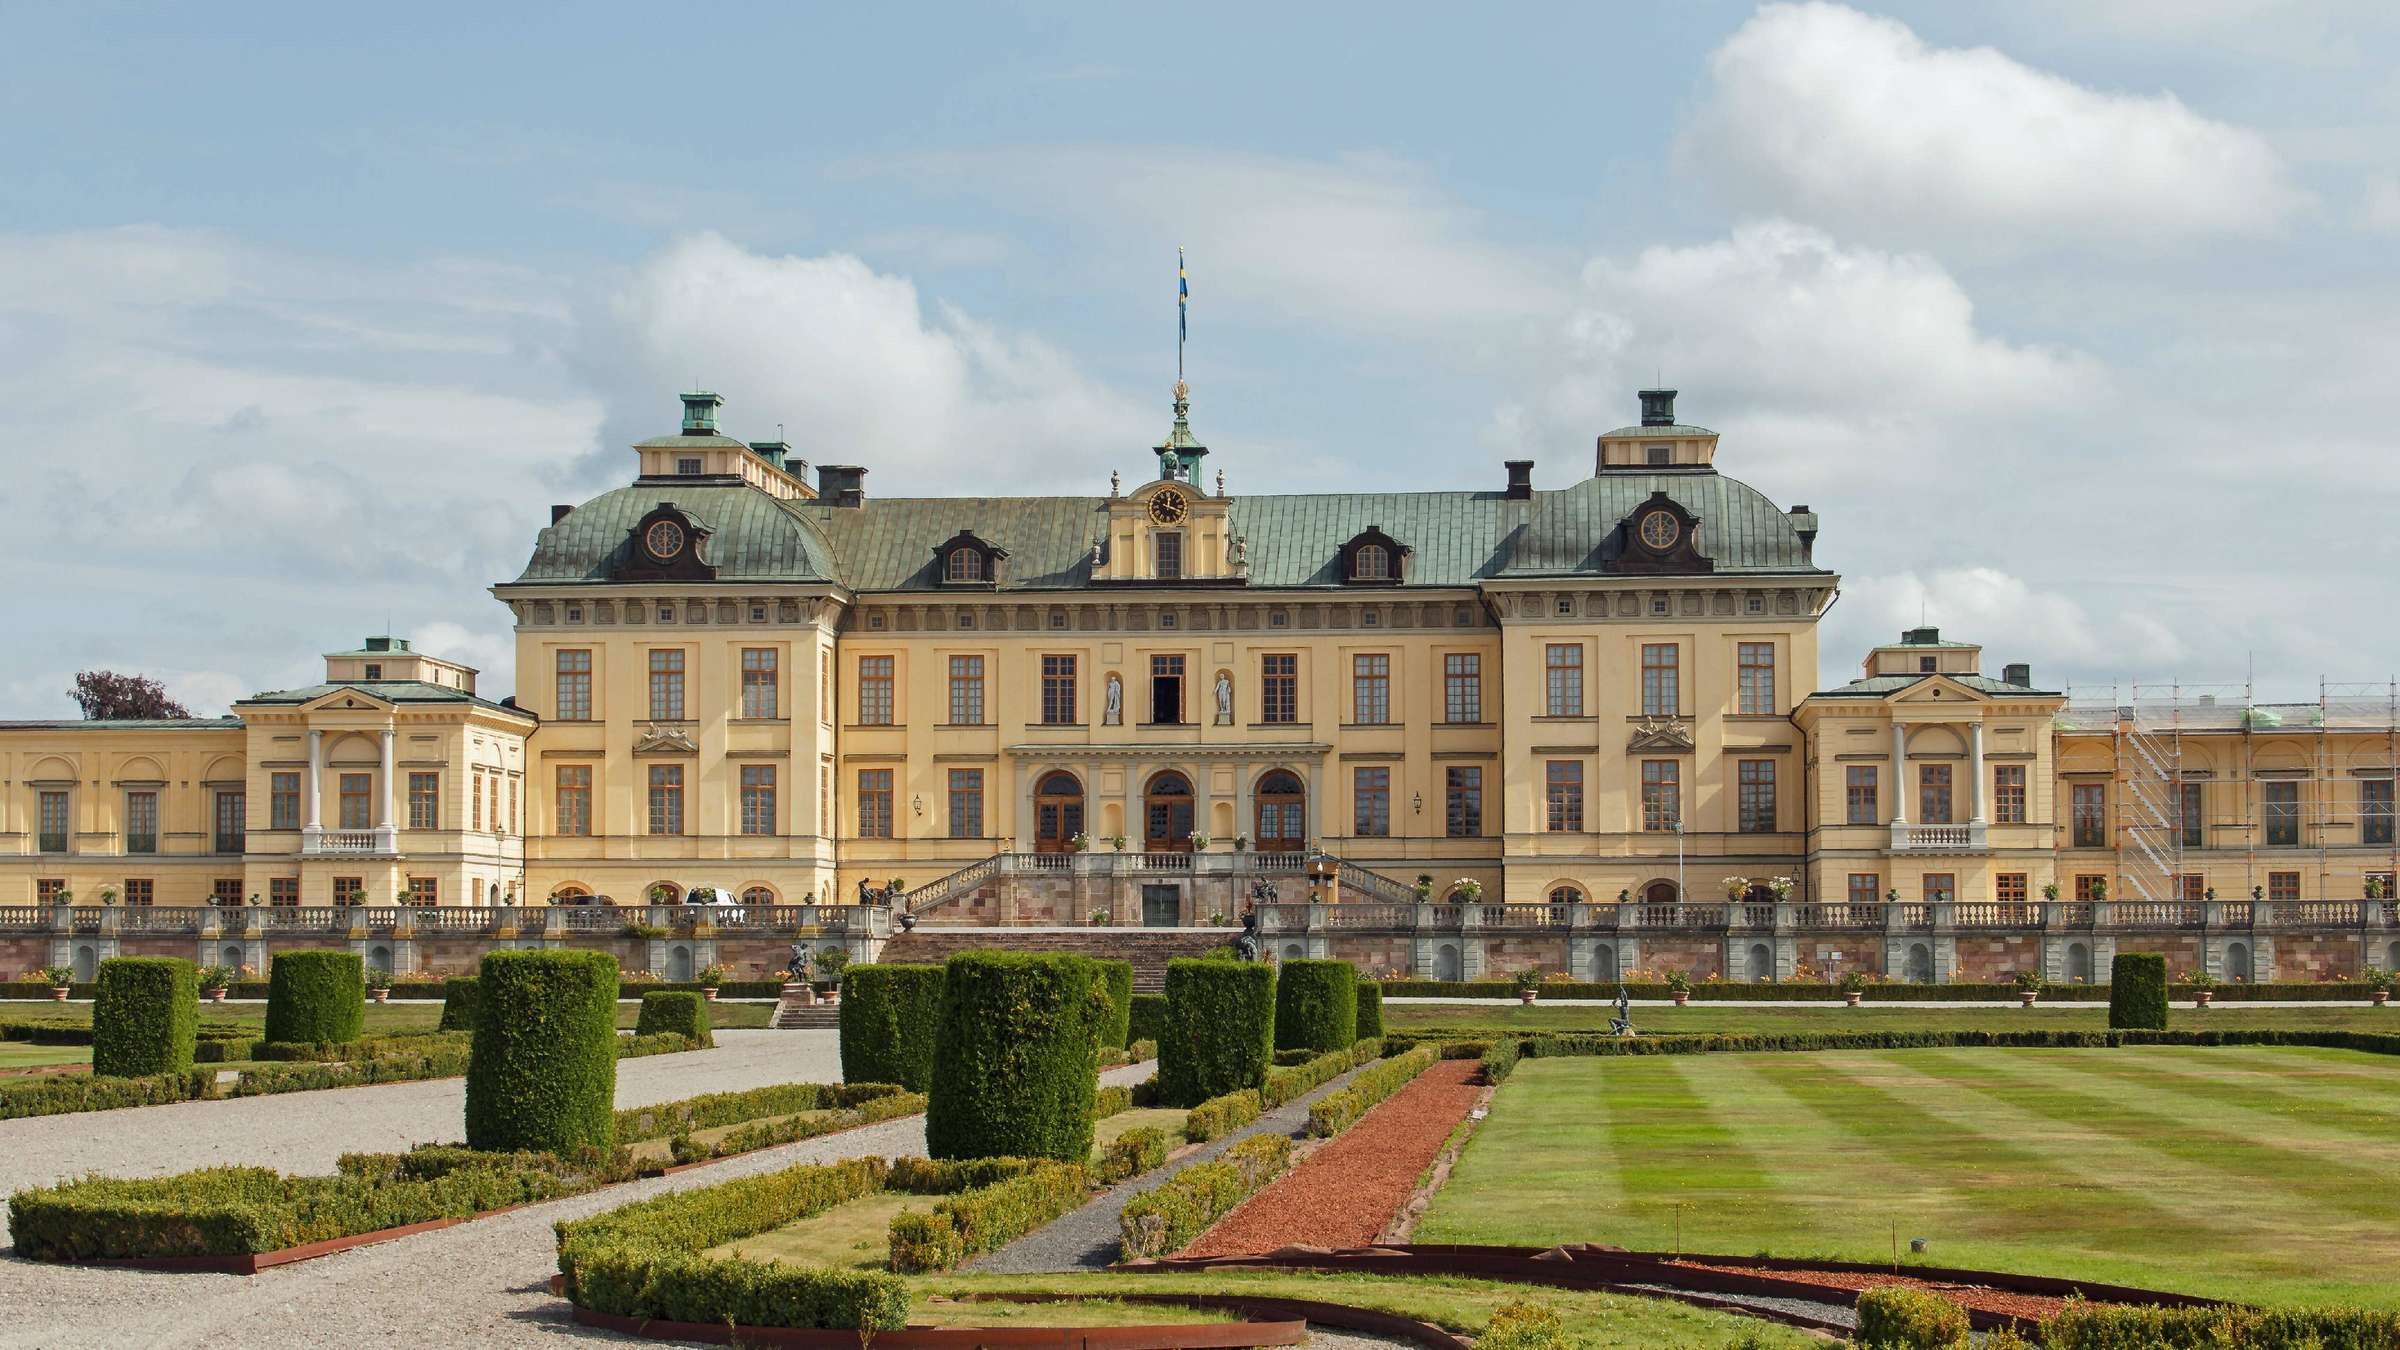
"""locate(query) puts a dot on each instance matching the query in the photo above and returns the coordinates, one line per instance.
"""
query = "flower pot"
(2382, 996)
(709, 993)
(59, 992)
(1850, 997)
(2025, 998)
(1682, 997)
(216, 996)
(2203, 998)
(380, 995)
(1525, 996)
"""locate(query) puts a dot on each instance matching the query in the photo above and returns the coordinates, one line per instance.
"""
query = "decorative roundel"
(1659, 530)
(664, 539)
(1167, 507)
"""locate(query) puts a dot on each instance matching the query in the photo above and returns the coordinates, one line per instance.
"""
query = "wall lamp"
(920, 803)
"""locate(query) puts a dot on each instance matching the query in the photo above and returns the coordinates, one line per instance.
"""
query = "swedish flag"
(1183, 298)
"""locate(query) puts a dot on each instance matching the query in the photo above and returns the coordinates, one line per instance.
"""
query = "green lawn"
(1115, 1127)
(381, 1017)
(20, 1055)
(855, 1233)
(2250, 1173)
(1507, 1015)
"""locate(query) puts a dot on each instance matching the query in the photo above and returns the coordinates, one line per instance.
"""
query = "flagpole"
(1182, 304)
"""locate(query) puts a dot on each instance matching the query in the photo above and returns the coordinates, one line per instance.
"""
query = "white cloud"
(1854, 121)
(2009, 617)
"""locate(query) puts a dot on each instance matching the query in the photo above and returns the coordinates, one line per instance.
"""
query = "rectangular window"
(574, 702)
(1662, 687)
(1166, 690)
(2191, 808)
(1858, 789)
(1757, 677)
(140, 891)
(423, 891)
(2088, 805)
(2086, 887)
(1279, 687)
(966, 691)
(1933, 794)
(1058, 691)
(1170, 557)
(666, 799)
(424, 801)
(283, 801)
(233, 811)
(1462, 687)
(874, 803)
(761, 684)
(356, 812)
(1866, 888)
(1756, 814)
(1462, 808)
(825, 699)
(2281, 886)
(2191, 887)
(875, 691)
(2009, 888)
(666, 684)
(475, 798)
(225, 892)
(346, 889)
(511, 824)
(1562, 664)
(1940, 887)
(825, 799)
(1662, 795)
(1371, 802)
(2283, 814)
(54, 822)
(1371, 690)
(2375, 811)
(1562, 788)
(966, 803)
(46, 889)
(758, 799)
(2008, 794)
(574, 800)
(141, 822)
(283, 891)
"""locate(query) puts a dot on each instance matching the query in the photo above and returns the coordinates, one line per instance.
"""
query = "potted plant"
(1099, 917)
(2029, 988)
(2202, 989)
(710, 977)
(60, 977)
(1080, 843)
(898, 886)
(357, 896)
(1782, 887)
(831, 962)
(1241, 843)
(1199, 843)
(1854, 987)
(1117, 842)
(2374, 887)
(1466, 890)
(62, 896)
(1679, 985)
(2379, 982)
(1529, 984)
(108, 895)
(2050, 891)
(1424, 887)
(661, 894)
(214, 981)
(379, 986)
(2099, 890)
(1736, 887)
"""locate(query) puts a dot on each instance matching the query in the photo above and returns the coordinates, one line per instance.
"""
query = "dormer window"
(1374, 563)
(966, 564)
(1373, 558)
(1659, 456)
(964, 560)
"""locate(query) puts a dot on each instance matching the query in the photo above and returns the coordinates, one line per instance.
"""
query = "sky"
(2074, 320)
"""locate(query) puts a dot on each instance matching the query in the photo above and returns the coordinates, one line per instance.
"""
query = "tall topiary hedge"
(890, 1018)
(2137, 992)
(1014, 1069)
(1219, 1035)
(1316, 1006)
(1118, 976)
(544, 1073)
(678, 1011)
(1370, 1009)
(458, 1004)
(145, 1016)
(1149, 1018)
(315, 996)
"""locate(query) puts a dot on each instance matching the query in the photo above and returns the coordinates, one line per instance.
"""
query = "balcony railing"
(350, 842)
(141, 843)
(51, 843)
(1911, 837)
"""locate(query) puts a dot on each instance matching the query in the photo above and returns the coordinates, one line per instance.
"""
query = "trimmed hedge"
(890, 1017)
(1118, 977)
(1910, 1319)
(1221, 1116)
(1719, 991)
(714, 1110)
(986, 1218)
(1148, 1019)
(1168, 1219)
(1499, 1061)
(1524, 1326)
(1316, 1006)
(1298, 1080)
(2137, 992)
(1341, 1110)
(316, 996)
(1015, 1071)
(772, 1131)
(458, 1004)
(2094, 1326)
(1220, 1029)
(146, 1016)
(1370, 1009)
(1131, 1154)
(544, 1071)
(675, 1012)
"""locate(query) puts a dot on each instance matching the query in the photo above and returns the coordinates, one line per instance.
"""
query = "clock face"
(1167, 507)
(1658, 530)
(664, 539)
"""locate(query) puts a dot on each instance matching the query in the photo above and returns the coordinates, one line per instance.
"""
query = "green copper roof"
(1878, 686)
(391, 691)
(1678, 429)
(126, 724)
(753, 536)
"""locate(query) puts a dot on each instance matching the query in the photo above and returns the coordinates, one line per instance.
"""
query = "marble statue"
(1113, 712)
(1224, 699)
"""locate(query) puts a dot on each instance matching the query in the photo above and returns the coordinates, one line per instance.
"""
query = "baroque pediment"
(657, 740)
(1660, 733)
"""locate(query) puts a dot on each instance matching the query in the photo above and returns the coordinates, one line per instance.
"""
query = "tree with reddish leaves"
(107, 695)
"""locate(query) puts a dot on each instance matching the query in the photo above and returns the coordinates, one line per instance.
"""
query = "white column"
(387, 833)
(1975, 773)
(1899, 772)
(316, 792)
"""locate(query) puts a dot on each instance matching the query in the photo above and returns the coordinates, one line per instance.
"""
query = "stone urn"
(2382, 996)
(217, 995)
(1526, 997)
(2025, 997)
(1851, 997)
(1682, 996)
(59, 992)
(2203, 998)
(380, 995)
(709, 992)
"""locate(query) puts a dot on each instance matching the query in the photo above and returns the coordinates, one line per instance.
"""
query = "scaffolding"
(2169, 794)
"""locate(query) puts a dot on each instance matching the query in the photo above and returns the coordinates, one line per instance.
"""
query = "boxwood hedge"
(675, 1012)
(1370, 1009)
(316, 996)
(1219, 1034)
(1015, 1061)
(1910, 1319)
(458, 1004)
(1316, 1006)
(146, 1016)
(1118, 976)
(2137, 992)
(1148, 1019)
(890, 1015)
(1168, 1218)
(544, 1072)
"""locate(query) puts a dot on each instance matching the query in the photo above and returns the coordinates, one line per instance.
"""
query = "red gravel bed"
(1343, 1194)
(1974, 1297)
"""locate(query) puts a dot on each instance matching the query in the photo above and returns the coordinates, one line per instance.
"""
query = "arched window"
(966, 564)
(663, 893)
(1564, 895)
(758, 895)
(1374, 563)
(572, 893)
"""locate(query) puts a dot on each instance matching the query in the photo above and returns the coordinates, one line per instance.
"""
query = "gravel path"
(1088, 1239)
(484, 1283)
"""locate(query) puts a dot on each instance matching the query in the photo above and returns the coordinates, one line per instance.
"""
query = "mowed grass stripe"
(2099, 1092)
(1540, 1163)
(2255, 1081)
(1662, 1125)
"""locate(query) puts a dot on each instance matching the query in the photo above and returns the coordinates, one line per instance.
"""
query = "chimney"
(841, 484)
(560, 512)
(700, 413)
(1804, 524)
(2017, 673)
(1658, 407)
(1520, 480)
(772, 452)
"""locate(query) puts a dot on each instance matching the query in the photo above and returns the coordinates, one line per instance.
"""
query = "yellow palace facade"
(1587, 712)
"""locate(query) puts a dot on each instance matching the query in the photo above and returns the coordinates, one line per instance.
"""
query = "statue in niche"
(1113, 711)
(1224, 699)
(1239, 554)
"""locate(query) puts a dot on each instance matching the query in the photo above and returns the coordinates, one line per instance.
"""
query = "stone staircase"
(1149, 949)
(793, 1014)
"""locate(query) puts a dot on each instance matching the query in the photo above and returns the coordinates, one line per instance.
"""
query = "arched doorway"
(2391, 957)
(679, 963)
(1167, 813)
(2079, 963)
(86, 962)
(2237, 961)
(1604, 964)
(1919, 968)
(1293, 951)
(1762, 963)
(1445, 962)
(1282, 813)
(1057, 812)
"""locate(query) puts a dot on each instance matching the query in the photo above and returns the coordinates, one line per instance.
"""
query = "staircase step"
(1148, 949)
